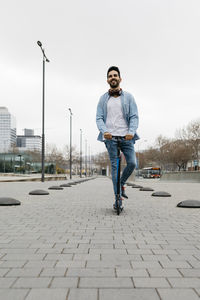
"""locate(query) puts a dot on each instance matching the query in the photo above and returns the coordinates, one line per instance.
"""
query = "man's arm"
(100, 117)
(133, 117)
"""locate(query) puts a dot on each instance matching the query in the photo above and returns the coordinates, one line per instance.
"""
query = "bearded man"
(117, 117)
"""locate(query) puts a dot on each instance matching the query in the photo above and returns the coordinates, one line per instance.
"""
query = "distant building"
(7, 130)
(29, 141)
(28, 132)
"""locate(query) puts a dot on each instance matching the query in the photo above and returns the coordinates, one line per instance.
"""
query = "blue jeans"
(127, 148)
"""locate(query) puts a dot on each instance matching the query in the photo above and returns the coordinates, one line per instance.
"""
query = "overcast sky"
(155, 43)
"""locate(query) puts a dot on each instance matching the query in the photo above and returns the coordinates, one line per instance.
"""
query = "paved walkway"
(6, 177)
(70, 245)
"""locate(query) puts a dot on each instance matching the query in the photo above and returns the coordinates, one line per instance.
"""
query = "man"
(117, 116)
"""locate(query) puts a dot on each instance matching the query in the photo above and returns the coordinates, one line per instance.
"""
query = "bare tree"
(151, 157)
(75, 158)
(191, 135)
(169, 154)
(162, 145)
(179, 153)
(102, 160)
(53, 155)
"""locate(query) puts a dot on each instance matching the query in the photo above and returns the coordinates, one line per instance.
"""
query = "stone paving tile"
(76, 251)
(71, 264)
(83, 294)
(140, 251)
(13, 294)
(6, 282)
(190, 272)
(108, 264)
(131, 273)
(3, 272)
(128, 294)
(194, 264)
(183, 257)
(91, 272)
(179, 247)
(61, 257)
(145, 264)
(37, 245)
(129, 246)
(32, 282)
(150, 282)
(19, 251)
(154, 257)
(121, 257)
(40, 264)
(64, 282)
(108, 251)
(21, 272)
(164, 252)
(198, 255)
(103, 241)
(47, 294)
(189, 252)
(185, 282)
(175, 264)
(198, 291)
(96, 246)
(164, 272)
(84, 257)
(105, 282)
(13, 264)
(23, 257)
(53, 272)
(148, 246)
(49, 251)
(177, 294)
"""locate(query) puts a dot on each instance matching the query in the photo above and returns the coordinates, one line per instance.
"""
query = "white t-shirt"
(115, 121)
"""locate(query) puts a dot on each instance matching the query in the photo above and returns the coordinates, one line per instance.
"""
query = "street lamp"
(86, 158)
(89, 161)
(70, 143)
(45, 59)
(80, 152)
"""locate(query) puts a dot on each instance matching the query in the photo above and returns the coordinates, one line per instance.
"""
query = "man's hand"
(128, 137)
(107, 136)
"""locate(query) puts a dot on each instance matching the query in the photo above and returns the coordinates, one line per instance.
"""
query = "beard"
(114, 84)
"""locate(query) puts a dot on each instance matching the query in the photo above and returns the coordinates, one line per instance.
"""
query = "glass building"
(29, 141)
(7, 130)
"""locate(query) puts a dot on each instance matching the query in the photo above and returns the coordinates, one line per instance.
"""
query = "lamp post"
(86, 158)
(45, 59)
(70, 159)
(89, 161)
(80, 152)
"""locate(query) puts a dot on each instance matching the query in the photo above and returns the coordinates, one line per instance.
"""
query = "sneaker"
(121, 206)
(123, 192)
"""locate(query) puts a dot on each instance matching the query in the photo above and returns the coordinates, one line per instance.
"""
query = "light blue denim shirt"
(130, 113)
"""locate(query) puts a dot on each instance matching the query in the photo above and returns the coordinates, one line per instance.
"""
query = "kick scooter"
(118, 200)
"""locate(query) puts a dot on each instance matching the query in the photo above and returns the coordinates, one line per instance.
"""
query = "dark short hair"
(113, 68)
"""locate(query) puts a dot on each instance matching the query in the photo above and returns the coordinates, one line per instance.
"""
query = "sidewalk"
(71, 245)
(30, 177)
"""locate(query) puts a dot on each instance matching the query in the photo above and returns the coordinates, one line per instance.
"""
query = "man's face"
(113, 79)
